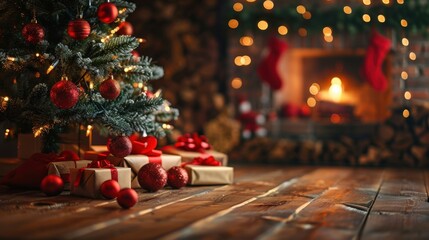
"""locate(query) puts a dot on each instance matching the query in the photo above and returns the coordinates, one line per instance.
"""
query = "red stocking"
(268, 68)
(377, 50)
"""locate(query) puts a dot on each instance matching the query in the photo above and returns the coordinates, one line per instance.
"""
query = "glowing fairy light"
(406, 113)
(158, 93)
(52, 66)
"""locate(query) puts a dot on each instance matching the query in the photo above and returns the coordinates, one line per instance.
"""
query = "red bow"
(97, 164)
(193, 142)
(208, 161)
(146, 146)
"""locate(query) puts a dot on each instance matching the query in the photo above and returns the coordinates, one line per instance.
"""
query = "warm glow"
(386, 1)
(301, 9)
(366, 18)
(282, 30)
(406, 113)
(404, 75)
(6, 133)
(404, 23)
(236, 83)
(88, 130)
(238, 7)
(405, 41)
(251, 1)
(413, 56)
(246, 60)
(311, 102)
(367, 2)
(407, 95)
(328, 38)
(335, 90)
(6, 99)
(140, 85)
(268, 4)
(37, 54)
(335, 118)
(237, 61)
(327, 31)
(37, 75)
(233, 23)
(246, 41)
(302, 32)
(347, 10)
(381, 18)
(400, 1)
(167, 126)
(263, 25)
(314, 89)
(307, 15)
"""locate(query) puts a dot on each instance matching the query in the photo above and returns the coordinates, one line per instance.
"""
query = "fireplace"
(329, 83)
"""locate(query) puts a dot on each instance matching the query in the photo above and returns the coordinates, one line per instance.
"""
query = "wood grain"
(401, 210)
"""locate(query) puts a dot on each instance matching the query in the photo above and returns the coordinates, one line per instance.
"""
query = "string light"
(263, 25)
(122, 10)
(381, 18)
(37, 74)
(335, 118)
(52, 66)
(328, 38)
(6, 133)
(347, 10)
(327, 31)
(246, 41)
(314, 89)
(367, 2)
(400, 1)
(405, 41)
(268, 4)
(404, 75)
(238, 7)
(37, 54)
(412, 56)
(141, 40)
(158, 93)
(236, 83)
(167, 126)
(301, 9)
(366, 18)
(386, 1)
(12, 59)
(282, 30)
(302, 32)
(405, 113)
(307, 15)
(407, 95)
(404, 23)
(233, 23)
(91, 85)
(311, 102)
(140, 85)
(4, 103)
(38, 132)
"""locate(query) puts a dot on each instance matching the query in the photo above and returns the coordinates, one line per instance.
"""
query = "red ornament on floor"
(110, 89)
(52, 185)
(69, 155)
(127, 198)
(110, 189)
(119, 146)
(177, 177)
(152, 177)
(125, 28)
(33, 33)
(64, 94)
(107, 12)
(79, 29)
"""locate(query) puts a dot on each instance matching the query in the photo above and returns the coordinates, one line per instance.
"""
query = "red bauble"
(79, 29)
(110, 189)
(136, 55)
(127, 198)
(52, 185)
(120, 146)
(107, 12)
(177, 177)
(33, 33)
(125, 28)
(110, 89)
(152, 177)
(69, 155)
(64, 94)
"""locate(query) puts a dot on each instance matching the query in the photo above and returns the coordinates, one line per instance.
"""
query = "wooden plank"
(205, 209)
(337, 211)
(401, 210)
(73, 223)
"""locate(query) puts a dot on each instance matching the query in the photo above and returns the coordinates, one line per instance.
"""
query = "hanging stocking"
(268, 68)
(371, 70)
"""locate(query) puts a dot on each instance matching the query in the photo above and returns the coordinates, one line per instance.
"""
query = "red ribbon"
(192, 142)
(97, 164)
(146, 146)
(207, 161)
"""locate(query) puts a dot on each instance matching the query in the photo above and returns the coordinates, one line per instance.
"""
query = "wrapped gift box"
(92, 178)
(62, 169)
(188, 156)
(209, 175)
(135, 162)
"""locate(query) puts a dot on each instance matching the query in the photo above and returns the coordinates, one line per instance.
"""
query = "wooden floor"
(264, 203)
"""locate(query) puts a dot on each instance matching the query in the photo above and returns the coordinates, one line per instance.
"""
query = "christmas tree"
(73, 62)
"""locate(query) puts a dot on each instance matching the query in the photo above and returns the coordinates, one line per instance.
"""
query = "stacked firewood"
(183, 37)
(398, 141)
